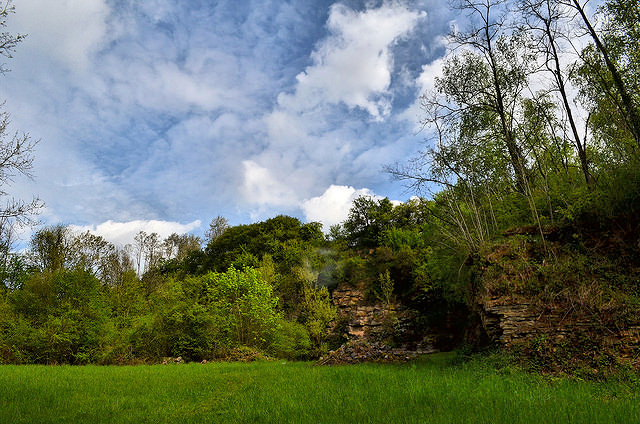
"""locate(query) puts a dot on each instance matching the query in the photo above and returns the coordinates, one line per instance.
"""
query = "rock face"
(363, 321)
(508, 322)
(370, 329)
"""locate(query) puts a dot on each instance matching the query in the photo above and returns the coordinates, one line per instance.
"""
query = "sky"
(160, 115)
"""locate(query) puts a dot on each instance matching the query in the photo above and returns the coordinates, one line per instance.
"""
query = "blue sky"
(160, 115)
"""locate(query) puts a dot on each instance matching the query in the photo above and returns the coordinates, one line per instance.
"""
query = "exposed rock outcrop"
(364, 321)
(370, 330)
(509, 322)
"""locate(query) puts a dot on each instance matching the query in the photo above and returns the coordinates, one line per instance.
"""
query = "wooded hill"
(526, 235)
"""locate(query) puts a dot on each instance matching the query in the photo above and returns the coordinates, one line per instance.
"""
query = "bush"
(290, 340)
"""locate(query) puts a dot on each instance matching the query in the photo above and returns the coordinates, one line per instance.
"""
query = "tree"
(217, 227)
(317, 312)
(611, 50)
(147, 251)
(544, 18)
(51, 248)
(96, 255)
(8, 41)
(367, 220)
(16, 153)
(490, 76)
(179, 246)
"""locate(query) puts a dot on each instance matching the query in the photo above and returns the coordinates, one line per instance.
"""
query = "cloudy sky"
(160, 115)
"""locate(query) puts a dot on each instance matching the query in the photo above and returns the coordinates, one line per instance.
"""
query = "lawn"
(431, 390)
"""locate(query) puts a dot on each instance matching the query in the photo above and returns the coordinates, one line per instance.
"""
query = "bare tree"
(16, 154)
(8, 41)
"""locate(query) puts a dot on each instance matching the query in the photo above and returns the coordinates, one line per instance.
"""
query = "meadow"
(429, 390)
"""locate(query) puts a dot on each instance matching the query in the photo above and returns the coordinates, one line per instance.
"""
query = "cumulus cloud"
(354, 64)
(425, 84)
(332, 207)
(175, 111)
(260, 187)
(123, 233)
(315, 133)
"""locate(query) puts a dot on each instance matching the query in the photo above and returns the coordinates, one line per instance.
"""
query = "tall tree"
(491, 76)
(217, 227)
(179, 246)
(51, 248)
(622, 20)
(544, 18)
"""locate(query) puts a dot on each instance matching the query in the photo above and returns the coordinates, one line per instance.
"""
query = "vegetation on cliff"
(533, 200)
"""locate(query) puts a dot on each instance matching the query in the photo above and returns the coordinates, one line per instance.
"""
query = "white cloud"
(309, 140)
(68, 31)
(354, 64)
(163, 102)
(426, 80)
(261, 188)
(122, 233)
(332, 207)
(425, 83)
(208, 79)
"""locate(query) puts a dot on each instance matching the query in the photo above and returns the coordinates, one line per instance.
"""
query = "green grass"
(428, 391)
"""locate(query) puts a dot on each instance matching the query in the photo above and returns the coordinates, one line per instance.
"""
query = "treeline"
(75, 298)
(538, 189)
(264, 287)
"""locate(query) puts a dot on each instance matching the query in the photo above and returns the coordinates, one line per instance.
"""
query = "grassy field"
(431, 390)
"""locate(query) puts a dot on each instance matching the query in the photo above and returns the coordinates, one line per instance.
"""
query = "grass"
(431, 390)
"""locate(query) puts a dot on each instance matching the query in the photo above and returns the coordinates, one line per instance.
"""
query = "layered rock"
(509, 321)
(362, 320)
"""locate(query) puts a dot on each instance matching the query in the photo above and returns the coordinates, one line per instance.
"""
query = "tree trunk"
(630, 112)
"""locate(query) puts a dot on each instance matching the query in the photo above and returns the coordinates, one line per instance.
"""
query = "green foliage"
(290, 340)
(351, 271)
(386, 287)
(61, 317)
(201, 314)
(316, 313)
(518, 196)
(276, 237)
(397, 238)
(367, 221)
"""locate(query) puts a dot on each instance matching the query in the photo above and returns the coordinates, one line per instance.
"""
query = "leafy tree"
(386, 287)
(217, 227)
(247, 302)
(64, 317)
(368, 219)
(548, 21)
(317, 312)
(269, 237)
(57, 247)
(609, 74)
(487, 80)
(613, 49)
(179, 246)
(51, 248)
